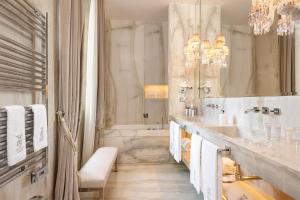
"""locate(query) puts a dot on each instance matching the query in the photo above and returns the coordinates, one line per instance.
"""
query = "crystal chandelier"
(262, 13)
(215, 54)
(259, 17)
(286, 25)
(197, 51)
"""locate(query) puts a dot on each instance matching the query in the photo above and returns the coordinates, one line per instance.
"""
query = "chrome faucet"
(213, 106)
(254, 109)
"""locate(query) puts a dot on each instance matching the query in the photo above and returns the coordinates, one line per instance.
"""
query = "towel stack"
(16, 137)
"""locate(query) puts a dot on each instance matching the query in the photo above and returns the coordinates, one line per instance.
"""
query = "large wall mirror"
(260, 61)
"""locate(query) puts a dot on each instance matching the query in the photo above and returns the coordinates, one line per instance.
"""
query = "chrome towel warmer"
(23, 69)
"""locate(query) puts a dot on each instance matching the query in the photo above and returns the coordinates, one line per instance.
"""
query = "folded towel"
(228, 166)
(39, 127)
(16, 140)
(172, 123)
(177, 142)
(195, 162)
(211, 171)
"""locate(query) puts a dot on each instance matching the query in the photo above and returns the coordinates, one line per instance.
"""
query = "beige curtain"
(100, 120)
(70, 33)
(287, 65)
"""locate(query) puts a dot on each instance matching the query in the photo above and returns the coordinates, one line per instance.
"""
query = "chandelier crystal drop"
(286, 25)
(262, 13)
(259, 17)
(285, 6)
(216, 54)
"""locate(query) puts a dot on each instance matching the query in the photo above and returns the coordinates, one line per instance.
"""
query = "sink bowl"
(230, 131)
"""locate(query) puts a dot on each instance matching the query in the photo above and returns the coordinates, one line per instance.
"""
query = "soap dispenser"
(222, 117)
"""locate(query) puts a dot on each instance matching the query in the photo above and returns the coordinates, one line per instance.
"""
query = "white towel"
(16, 140)
(172, 138)
(195, 162)
(211, 171)
(39, 127)
(177, 142)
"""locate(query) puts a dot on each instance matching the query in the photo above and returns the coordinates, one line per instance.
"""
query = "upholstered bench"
(94, 174)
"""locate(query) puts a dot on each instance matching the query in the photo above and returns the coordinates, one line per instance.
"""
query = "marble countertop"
(278, 162)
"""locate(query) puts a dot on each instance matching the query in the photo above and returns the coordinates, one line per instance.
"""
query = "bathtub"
(139, 143)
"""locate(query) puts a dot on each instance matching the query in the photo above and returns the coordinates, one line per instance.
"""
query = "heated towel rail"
(23, 69)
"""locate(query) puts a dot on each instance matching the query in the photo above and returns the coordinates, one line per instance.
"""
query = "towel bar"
(226, 150)
(9, 173)
(23, 68)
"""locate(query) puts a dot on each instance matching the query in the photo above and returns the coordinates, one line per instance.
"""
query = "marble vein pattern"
(155, 182)
(139, 146)
(240, 70)
(183, 22)
(137, 52)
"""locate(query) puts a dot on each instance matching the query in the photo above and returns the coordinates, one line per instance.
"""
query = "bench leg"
(101, 194)
(116, 166)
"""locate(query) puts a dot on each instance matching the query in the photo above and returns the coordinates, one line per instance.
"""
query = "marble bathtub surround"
(139, 145)
(277, 162)
(137, 57)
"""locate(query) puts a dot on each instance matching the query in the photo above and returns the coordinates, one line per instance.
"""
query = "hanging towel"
(39, 127)
(16, 141)
(195, 162)
(172, 123)
(177, 142)
(211, 171)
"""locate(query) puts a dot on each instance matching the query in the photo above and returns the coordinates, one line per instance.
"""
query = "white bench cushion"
(96, 171)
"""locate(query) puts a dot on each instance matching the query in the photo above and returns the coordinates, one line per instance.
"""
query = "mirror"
(257, 65)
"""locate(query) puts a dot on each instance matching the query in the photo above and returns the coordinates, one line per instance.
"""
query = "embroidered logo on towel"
(19, 143)
(41, 135)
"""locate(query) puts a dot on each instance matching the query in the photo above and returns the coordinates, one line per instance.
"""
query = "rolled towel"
(228, 166)
(185, 144)
(39, 127)
(16, 140)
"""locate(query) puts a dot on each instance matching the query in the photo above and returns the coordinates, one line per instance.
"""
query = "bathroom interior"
(149, 99)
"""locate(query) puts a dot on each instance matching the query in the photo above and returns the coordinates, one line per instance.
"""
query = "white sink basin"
(230, 131)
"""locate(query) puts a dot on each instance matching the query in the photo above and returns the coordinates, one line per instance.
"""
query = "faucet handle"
(254, 109)
(276, 111)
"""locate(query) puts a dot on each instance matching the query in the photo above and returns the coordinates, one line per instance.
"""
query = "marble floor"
(150, 182)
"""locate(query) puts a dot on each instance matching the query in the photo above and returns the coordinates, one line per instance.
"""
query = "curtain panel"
(70, 37)
(102, 64)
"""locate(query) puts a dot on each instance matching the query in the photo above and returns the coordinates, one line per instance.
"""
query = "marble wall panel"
(137, 54)
(235, 107)
(240, 70)
(183, 22)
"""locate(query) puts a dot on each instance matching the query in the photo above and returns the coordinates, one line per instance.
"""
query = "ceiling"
(233, 11)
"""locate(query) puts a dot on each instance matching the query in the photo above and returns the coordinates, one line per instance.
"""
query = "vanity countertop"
(277, 162)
